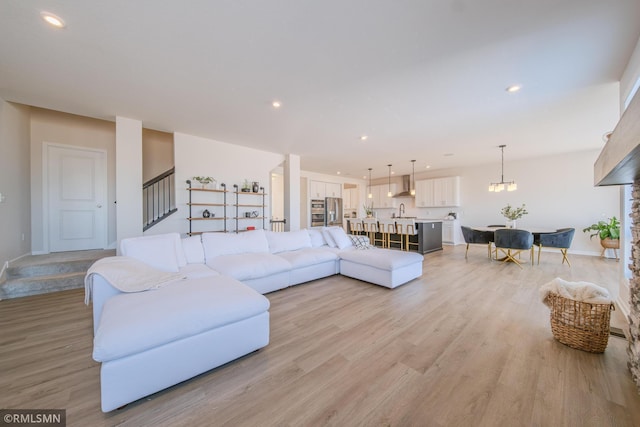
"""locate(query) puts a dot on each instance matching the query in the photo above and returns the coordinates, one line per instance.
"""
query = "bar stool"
(407, 228)
(387, 228)
(356, 227)
(370, 228)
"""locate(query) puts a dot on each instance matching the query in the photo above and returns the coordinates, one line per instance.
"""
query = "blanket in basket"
(577, 291)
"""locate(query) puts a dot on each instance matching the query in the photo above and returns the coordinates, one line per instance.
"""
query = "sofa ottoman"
(384, 267)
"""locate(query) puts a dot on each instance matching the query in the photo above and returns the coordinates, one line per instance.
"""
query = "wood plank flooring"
(467, 344)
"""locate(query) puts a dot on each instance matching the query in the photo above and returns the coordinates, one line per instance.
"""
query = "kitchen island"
(428, 235)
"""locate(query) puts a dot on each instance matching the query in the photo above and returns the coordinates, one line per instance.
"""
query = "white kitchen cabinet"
(424, 193)
(333, 189)
(380, 198)
(320, 190)
(350, 198)
(438, 192)
(317, 190)
(452, 232)
(446, 191)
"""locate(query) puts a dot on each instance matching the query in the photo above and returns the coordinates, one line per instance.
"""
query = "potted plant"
(368, 210)
(513, 214)
(204, 180)
(608, 231)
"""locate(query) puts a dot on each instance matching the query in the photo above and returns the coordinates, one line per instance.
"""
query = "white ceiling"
(421, 78)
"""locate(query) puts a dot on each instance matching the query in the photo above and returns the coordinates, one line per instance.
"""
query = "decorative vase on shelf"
(256, 186)
(206, 213)
(511, 223)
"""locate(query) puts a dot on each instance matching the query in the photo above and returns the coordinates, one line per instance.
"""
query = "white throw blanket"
(577, 291)
(127, 275)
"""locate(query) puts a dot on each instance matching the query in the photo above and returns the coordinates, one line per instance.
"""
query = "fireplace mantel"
(619, 160)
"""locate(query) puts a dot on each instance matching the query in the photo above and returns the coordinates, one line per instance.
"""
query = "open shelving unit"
(213, 204)
(239, 206)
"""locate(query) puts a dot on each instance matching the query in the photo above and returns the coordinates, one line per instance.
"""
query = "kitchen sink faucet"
(401, 210)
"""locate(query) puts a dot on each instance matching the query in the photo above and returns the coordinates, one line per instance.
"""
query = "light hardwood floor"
(467, 344)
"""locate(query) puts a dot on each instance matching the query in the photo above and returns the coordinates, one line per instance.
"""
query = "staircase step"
(35, 285)
(41, 274)
(48, 269)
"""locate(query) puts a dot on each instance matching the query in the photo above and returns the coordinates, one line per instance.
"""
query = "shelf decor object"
(496, 187)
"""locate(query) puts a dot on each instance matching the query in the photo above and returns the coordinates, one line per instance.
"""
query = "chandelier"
(499, 186)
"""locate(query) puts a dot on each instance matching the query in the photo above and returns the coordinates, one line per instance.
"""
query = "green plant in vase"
(513, 214)
(368, 210)
(203, 180)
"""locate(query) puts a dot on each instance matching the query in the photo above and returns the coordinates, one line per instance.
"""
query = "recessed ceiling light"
(276, 104)
(513, 88)
(427, 167)
(52, 19)
(338, 173)
(363, 138)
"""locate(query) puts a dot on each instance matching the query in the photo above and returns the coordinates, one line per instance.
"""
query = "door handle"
(99, 205)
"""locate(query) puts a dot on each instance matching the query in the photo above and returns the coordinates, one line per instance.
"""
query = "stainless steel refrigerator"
(333, 211)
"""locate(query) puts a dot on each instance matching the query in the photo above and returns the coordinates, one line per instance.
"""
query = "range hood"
(406, 187)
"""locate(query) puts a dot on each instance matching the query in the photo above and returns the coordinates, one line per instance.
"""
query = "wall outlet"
(2, 197)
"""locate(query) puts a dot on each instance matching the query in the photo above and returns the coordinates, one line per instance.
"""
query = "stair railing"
(158, 196)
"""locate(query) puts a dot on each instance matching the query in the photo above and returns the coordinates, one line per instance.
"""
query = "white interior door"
(77, 193)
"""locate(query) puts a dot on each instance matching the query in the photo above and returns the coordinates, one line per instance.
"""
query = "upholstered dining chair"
(511, 242)
(472, 236)
(561, 239)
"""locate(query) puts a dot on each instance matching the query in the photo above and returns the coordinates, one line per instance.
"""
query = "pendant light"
(413, 177)
(389, 194)
(497, 187)
(369, 195)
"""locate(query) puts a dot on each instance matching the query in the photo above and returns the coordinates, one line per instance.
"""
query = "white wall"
(630, 76)
(558, 192)
(227, 163)
(157, 153)
(14, 182)
(128, 178)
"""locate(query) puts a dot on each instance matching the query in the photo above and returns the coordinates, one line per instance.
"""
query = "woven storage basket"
(579, 324)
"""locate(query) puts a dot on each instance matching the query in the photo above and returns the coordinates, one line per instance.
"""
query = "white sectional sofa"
(171, 308)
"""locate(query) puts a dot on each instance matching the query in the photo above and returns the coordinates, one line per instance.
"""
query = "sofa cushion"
(133, 323)
(306, 257)
(361, 242)
(249, 266)
(217, 244)
(193, 250)
(340, 238)
(317, 239)
(287, 241)
(385, 259)
(328, 237)
(159, 251)
(194, 271)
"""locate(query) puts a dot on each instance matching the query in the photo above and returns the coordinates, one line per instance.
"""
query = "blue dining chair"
(561, 239)
(472, 236)
(511, 242)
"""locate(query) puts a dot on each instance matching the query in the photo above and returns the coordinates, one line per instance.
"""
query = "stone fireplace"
(619, 164)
